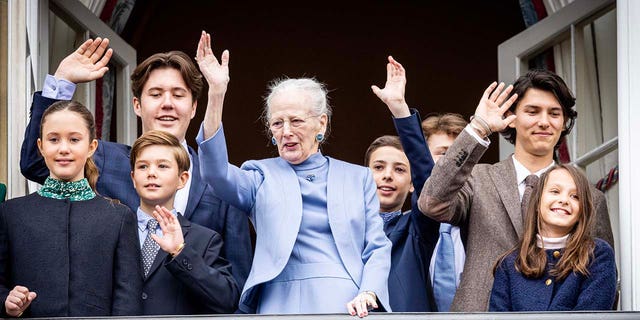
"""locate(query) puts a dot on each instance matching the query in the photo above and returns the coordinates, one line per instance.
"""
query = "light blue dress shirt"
(58, 89)
(143, 219)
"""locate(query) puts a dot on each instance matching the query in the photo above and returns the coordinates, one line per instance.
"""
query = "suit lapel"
(283, 204)
(503, 174)
(161, 255)
(157, 263)
(336, 200)
(290, 204)
(185, 225)
(197, 186)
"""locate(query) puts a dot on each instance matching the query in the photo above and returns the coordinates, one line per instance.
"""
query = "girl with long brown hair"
(65, 251)
(558, 264)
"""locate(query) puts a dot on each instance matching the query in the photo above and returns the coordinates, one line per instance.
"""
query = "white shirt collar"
(522, 172)
(182, 196)
(143, 218)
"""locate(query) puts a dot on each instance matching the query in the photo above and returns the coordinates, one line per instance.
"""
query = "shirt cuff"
(485, 142)
(59, 89)
(412, 114)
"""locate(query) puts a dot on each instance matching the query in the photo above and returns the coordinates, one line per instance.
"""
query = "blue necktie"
(149, 247)
(444, 277)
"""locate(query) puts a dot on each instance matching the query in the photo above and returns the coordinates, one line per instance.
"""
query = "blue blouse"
(315, 243)
(315, 263)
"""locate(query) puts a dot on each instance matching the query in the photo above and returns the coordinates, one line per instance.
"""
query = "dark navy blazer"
(412, 234)
(514, 292)
(196, 281)
(112, 160)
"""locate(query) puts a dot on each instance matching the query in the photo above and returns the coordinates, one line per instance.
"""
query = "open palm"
(87, 63)
(171, 231)
(216, 73)
(393, 92)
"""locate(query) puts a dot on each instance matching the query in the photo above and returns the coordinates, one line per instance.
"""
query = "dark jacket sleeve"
(207, 275)
(4, 261)
(415, 147)
(237, 246)
(32, 164)
(127, 272)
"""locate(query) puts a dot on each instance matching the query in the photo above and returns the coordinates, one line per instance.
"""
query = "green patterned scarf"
(74, 191)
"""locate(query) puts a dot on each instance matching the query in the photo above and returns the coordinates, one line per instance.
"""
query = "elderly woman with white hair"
(320, 244)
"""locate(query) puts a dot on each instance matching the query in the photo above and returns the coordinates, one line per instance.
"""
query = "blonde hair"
(449, 123)
(161, 138)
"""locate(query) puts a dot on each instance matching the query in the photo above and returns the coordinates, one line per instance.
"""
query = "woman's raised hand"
(216, 73)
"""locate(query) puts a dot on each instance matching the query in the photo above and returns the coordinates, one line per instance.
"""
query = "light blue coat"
(269, 190)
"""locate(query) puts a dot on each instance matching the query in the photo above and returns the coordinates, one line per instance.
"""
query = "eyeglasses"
(295, 122)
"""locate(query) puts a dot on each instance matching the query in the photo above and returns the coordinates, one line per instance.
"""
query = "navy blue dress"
(514, 292)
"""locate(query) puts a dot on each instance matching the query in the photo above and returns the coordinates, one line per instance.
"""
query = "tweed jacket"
(112, 160)
(514, 292)
(269, 190)
(81, 258)
(484, 199)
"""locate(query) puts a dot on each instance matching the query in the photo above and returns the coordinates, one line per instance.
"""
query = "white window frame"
(513, 57)
(28, 56)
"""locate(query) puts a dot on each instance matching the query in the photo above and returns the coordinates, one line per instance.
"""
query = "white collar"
(552, 243)
(186, 148)
(522, 172)
(185, 145)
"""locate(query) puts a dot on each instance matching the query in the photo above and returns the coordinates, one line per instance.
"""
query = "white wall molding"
(628, 21)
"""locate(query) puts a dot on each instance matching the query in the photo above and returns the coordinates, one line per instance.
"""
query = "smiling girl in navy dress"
(558, 265)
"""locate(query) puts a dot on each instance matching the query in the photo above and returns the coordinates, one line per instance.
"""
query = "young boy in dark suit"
(183, 270)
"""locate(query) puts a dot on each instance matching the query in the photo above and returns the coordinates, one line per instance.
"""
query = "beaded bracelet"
(485, 126)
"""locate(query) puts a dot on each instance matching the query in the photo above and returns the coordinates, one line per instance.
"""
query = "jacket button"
(185, 262)
(548, 282)
(144, 296)
(189, 267)
(556, 254)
